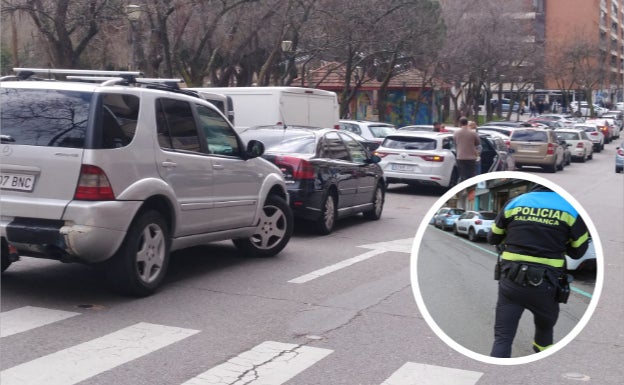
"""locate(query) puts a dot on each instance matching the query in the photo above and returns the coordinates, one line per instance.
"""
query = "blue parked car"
(445, 217)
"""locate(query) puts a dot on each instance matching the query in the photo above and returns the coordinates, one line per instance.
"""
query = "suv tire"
(378, 202)
(273, 231)
(140, 264)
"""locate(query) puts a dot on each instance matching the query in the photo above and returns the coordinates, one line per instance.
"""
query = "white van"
(289, 106)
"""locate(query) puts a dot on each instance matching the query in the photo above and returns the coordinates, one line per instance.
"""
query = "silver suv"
(122, 172)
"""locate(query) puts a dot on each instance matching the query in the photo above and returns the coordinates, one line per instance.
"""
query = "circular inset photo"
(507, 268)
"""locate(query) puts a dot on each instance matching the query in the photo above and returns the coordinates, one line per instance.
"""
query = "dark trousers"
(512, 300)
(466, 169)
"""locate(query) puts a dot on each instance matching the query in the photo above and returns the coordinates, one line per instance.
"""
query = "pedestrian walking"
(467, 144)
(532, 109)
(537, 228)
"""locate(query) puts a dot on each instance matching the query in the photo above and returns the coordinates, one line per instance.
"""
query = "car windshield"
(456, 211)
(381, 131)
(407, 143)
(529, 136)
(53, 118)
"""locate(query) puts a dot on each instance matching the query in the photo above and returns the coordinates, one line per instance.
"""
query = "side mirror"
(254, 149)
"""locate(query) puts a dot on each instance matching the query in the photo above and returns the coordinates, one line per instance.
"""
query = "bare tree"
(67, 26)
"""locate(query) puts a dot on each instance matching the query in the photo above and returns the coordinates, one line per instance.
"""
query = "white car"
(581, 147)
(584, 109)
(414, 157)
(375, 131)
(474, 224)
(593, 133)
(587, 261)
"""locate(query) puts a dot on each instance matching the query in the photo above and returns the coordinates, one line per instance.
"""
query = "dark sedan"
(329, 174)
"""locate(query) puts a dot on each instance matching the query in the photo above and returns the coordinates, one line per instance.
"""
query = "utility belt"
(523, 273)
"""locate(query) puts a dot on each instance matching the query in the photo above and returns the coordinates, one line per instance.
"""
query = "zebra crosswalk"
(268, 363)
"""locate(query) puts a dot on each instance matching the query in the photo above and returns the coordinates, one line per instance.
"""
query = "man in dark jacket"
(537, 229)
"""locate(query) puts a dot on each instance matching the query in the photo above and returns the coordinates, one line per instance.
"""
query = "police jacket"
(540, 227)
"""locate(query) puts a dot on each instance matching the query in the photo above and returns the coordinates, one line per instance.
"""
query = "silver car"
(122, 175)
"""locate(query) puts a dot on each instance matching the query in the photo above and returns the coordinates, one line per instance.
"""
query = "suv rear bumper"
(72, 241)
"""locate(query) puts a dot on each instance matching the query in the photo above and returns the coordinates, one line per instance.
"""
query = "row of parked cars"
(476, 224)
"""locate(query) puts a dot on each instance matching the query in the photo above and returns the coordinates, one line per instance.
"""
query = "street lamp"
(287, 49)
(133, 13)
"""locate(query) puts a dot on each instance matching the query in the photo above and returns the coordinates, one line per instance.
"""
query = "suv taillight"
(478, 222)
(93, 185)
(579, 145)
(551, 149)
(295, 168)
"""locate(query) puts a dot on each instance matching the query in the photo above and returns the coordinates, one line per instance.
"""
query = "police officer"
(536, 229)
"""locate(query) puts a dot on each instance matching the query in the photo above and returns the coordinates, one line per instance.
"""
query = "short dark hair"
(434, 123)
(463, 121)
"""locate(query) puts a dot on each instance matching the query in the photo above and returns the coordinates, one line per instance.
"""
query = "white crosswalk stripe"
(420, 374)
(75, 364)
(270, 363)
(29, 317)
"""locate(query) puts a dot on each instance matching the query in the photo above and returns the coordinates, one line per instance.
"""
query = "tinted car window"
(407, 143)
(51, 118)
(356, 151)
(176, 125)
(456, 211)
(529, 136)
(119, 119)
(333, 147)
(488, 216)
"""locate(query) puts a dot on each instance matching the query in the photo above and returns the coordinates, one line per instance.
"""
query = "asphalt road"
(337, 309)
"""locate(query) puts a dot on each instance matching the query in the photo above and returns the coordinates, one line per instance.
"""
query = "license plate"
(21, 182)
(402, 167)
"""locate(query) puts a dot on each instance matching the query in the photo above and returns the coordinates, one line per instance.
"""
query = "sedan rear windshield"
(301, 145)
(53, 118)
(488, 215)
(407, 143)
(568, 135)
(529, 136)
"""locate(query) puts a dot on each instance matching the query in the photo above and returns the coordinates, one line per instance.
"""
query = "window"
(176, 125)
(220, 137)
(351, 127)
(407, 143)
(357, 152)
(119, 119)
(53, 118)
(332, 147)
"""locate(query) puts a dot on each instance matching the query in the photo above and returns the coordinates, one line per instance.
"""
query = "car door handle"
(169, 164)
(217, 166)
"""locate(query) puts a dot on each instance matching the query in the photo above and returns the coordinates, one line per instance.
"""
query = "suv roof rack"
(104, 77)
(26, 73)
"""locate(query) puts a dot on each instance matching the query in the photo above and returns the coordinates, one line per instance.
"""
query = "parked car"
(505, 105)
(586, 262)
(419, 158)
(583, 109)
(537, 147)
(375, 131)
(508, 123)
(445, 217)
(593, 133)
(329, 174)
(619, 158)
(474, 224)
(120, 176)
(567, 120)
(581, 146)
(605, 127)
(546, 123)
